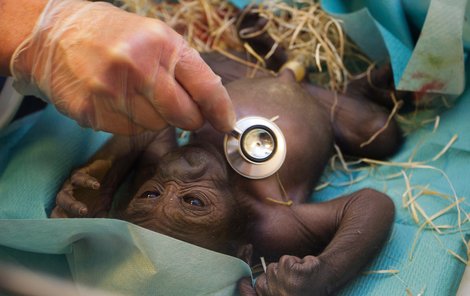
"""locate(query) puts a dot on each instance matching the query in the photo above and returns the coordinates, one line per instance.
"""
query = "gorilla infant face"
(188, 197)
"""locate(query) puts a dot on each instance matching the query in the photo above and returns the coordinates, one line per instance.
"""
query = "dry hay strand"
(205, 24)
(422, 115)
(413, 194)
(396, 106)
(357, 164)
(301, 27)
(384, 271)
(309, 35)
(286, 200)
(395, 274)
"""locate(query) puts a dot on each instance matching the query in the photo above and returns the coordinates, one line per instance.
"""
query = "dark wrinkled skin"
(192, 194)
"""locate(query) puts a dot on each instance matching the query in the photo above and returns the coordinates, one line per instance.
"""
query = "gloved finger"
(141, 112)
(148, 92)
(120, 125)
(112, 122)
(205, 88)
(98, 114)
(69, 204)
(245, 288)
(84, 180)
(129, 81)
(174, 104)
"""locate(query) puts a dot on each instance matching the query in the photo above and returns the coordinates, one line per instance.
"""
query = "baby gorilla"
(191, 193)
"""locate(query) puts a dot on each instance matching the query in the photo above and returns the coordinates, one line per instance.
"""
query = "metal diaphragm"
(256, 148)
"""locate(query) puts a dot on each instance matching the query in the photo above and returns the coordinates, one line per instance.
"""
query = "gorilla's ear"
(245, 253)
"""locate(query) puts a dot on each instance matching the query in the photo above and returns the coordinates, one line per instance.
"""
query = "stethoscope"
(256, 148)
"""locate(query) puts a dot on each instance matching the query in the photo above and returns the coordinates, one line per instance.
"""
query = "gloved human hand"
(119, 72)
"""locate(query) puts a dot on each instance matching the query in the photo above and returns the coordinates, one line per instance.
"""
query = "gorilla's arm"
(356, 226)
(90, 189)
(357, 117)
(361, 126)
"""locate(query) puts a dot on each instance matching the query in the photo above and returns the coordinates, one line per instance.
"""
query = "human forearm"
(17, 20)
(117, 71)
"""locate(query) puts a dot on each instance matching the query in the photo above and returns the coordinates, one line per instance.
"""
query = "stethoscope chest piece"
(256, 148)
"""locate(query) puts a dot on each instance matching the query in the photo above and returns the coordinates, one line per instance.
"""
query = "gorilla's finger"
(84, 180)
(69, 204)
(245, 288)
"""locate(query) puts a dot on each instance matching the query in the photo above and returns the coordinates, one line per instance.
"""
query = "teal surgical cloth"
(432, 63)
(37, 154)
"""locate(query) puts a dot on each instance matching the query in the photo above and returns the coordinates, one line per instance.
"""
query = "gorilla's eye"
(150, 194)
(194, 201)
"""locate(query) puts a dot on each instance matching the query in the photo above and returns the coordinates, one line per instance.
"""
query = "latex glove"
(116, 71)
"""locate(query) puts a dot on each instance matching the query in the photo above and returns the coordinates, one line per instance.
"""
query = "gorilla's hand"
(293, 276)
(84, 181)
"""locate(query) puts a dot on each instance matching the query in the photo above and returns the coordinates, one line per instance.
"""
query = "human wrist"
(17, 20)
(29, 63)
